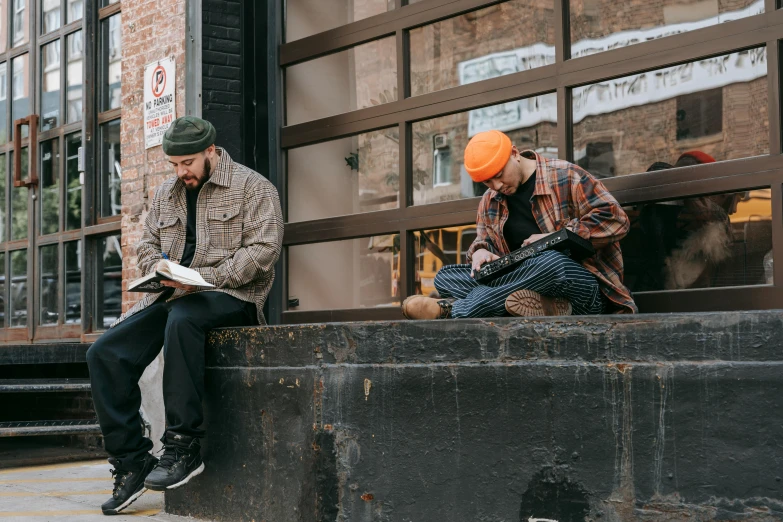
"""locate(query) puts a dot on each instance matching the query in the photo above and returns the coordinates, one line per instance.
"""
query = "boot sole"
(527, 303)
(182, 482)
(116, 511)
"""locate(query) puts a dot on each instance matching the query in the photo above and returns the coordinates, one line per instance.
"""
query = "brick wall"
(151, 30)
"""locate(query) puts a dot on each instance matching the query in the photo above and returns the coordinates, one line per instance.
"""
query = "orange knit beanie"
(486, 154)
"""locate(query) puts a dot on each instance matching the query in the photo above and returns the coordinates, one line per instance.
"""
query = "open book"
(167, 271)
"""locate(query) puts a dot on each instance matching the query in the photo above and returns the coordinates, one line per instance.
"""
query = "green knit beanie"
(188, 135)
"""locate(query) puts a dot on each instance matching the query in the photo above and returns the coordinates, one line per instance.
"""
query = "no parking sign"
(159, 102)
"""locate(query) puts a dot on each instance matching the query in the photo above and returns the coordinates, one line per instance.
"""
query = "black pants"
(118, 358)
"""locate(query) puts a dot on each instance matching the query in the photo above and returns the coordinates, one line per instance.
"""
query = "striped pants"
(550, 273)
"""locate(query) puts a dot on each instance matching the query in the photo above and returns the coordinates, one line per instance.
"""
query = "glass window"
(3, 29)
(19, 197)
(110, 174)
(49, 178)
(50, 85)
(75, 10)
(49, 310)
(439, 144)
(111, 62)
(18, 298)
(356, 273)
(3, 210)
(105, 3)
(2, 290)
(20, 89)
(484, 44)
(700, 242)
(601, 25)
(356, 174)
(108, 300)
(437, 247)
(50, 15)
(74, 181)
(308, 17)
(20, 26)
(74, 75)
(716, 107)
(3, 102)
(73, 281)
(360, 77)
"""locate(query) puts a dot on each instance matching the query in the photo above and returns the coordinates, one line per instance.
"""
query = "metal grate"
(47, 423)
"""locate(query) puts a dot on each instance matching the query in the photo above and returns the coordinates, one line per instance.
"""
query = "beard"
(205, 174)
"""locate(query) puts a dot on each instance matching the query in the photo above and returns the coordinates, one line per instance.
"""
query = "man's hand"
(535, 237)
(480, 257)
(180, 286)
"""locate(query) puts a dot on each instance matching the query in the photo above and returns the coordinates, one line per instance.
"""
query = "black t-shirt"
(191, 197)
(520, 224)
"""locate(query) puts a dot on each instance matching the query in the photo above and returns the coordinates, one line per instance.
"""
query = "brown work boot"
(527, 303)
(422, 307)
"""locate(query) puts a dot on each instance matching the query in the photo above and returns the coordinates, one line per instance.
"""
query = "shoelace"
(171, 455)
(119, 477)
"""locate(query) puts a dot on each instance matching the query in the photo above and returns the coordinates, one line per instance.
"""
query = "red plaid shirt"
(566, 196)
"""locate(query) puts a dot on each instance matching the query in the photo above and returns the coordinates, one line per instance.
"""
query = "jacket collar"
(542, 175)
(221, 174)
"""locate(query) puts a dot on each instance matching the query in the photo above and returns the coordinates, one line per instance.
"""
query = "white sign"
(159, 100)
(611, 95)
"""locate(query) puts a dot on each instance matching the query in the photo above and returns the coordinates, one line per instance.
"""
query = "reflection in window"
(357, 78)
(74, 181)
(19, 197)
(49, 311)
(73, 77)
(50, 85)
(108, 299)
(20, 89)
(307, 17)
(3, 26)
(356, 273)
(110, 175)
(50, 191)
(716, 106)
(355, 174)
(73, 281)
(436, 248)
(3, 102)
(2, 290)
(111, 62)
(18, 295)
(700, 242)
(483, 44)
(19, 22)
(439, 144)
(3, 210)
(598, 25)
(75, 10)
(50, 15)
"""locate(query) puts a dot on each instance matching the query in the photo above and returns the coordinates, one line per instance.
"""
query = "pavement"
(71, 492)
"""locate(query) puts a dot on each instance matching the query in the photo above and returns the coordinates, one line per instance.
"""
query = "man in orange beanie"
(529, 197)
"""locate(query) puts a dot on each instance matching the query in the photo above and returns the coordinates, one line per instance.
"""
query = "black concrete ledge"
(613, 418)
(54, 353)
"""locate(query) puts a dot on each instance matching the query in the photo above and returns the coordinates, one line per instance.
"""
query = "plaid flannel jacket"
(239, 233)
(566, 196)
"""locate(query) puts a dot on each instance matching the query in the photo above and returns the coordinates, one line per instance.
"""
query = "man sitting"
(530, 197)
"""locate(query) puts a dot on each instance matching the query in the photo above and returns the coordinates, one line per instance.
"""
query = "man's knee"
(100, 349)
(552, 265)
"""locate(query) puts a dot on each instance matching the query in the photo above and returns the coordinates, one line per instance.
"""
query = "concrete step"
(49, 427)
(43, 385)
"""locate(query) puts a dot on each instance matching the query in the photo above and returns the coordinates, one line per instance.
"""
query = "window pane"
(3, 102)
(50, 85)
(73, 282)
(717, 106)
(700, 242)
(439, 144)
(74, 77)
(3, 26)
(599, 25)
(19, 197)
(50, 192)
(437, 247)
(73, 188)
(480, 45)
(18, 308)
(104, 3)
(20, 90)
(356, 174)
(360, 77)
(308, 17)
(108, 301)
(111, 62)
(49, 281)
(110, 173)
(50, 15)
(20, 26)
(3, 210)
(2, 290)
(356, 273)
(75, 10)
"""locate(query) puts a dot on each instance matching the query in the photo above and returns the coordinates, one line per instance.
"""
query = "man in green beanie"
(224, 221)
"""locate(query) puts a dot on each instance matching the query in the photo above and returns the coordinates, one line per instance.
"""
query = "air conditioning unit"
(440, 141)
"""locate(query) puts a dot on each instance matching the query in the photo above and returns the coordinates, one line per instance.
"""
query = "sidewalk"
(71, 492)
